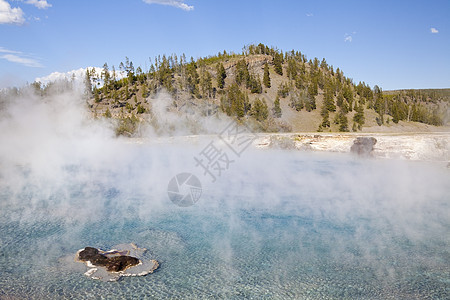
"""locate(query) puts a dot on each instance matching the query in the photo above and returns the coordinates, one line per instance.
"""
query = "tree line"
(240, 89)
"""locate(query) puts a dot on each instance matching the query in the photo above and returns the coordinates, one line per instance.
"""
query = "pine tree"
(297, 101)
(206, 84)
(325, 117)
(326, 120)
(259, 110)
(292, 69)
(144, 91)
(358, 118)
(127, 93)
(87, 84)
(266, 78)
(221, 75)
(106, 77)
(278, 61)
(276, 108)
(343, 121)
(107, 113)
(242, 74)
(348, 95)
(97, 95)
(254, 84)
(235, 103)
(380, 104)
(192, 78)
(329, 98)
(140, 109)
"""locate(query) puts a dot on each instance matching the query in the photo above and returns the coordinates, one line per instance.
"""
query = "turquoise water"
(296, 226)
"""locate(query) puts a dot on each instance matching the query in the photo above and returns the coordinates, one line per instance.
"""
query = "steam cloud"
(57, 163)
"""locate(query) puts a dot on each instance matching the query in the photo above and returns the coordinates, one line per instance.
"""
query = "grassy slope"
(299, 121)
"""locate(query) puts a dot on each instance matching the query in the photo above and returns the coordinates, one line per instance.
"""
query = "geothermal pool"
(275, 225)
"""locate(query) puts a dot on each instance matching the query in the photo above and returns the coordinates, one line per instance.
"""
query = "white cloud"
(78, 75)
(4, 50)
(349, 37)
(29, 62)
(9, 15)
(41, 4)
(309, 14)
(56, 76)
(174, 3)
(434, 30)
(19, 57)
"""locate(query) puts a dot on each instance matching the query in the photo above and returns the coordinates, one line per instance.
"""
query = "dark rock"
(363, 146)
(120, 263)
(112, 264)
(88, 253)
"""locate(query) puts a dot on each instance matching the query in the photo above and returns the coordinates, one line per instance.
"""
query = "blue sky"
(395, 44)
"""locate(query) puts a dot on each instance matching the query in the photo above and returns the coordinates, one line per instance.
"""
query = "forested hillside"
(268, 89)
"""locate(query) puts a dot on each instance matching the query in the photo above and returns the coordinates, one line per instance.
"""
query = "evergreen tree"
(266, 78)
(221, 75)
(324, 65)
(206, 84)
(310, 103)
(325, 117)
(278, 63)
(276, 108)
(348, 95)
(140, 75)
(313, 89)
(379, 103)
(297, 100)
(326, 120)
(283, 90)
(192, 78)
(254, 84)
(340, 100)
(114, 75)
(106, 77)
(343, 121)
(140, 109)
(97, 95)
(144, 91)
(259, 110)
(242, 74)
(235, 103)
(107, 113)
(358, 118)
(292, 69)
(87, 84)
(329, 98)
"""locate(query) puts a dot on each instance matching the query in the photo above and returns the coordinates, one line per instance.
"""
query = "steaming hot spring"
(221, 222)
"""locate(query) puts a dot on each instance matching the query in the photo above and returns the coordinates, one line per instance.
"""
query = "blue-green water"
(295, 226)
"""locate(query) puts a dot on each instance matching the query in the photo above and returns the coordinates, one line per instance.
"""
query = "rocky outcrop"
(123, 260)
(363, 145)
(112, 261)
(255, 63)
